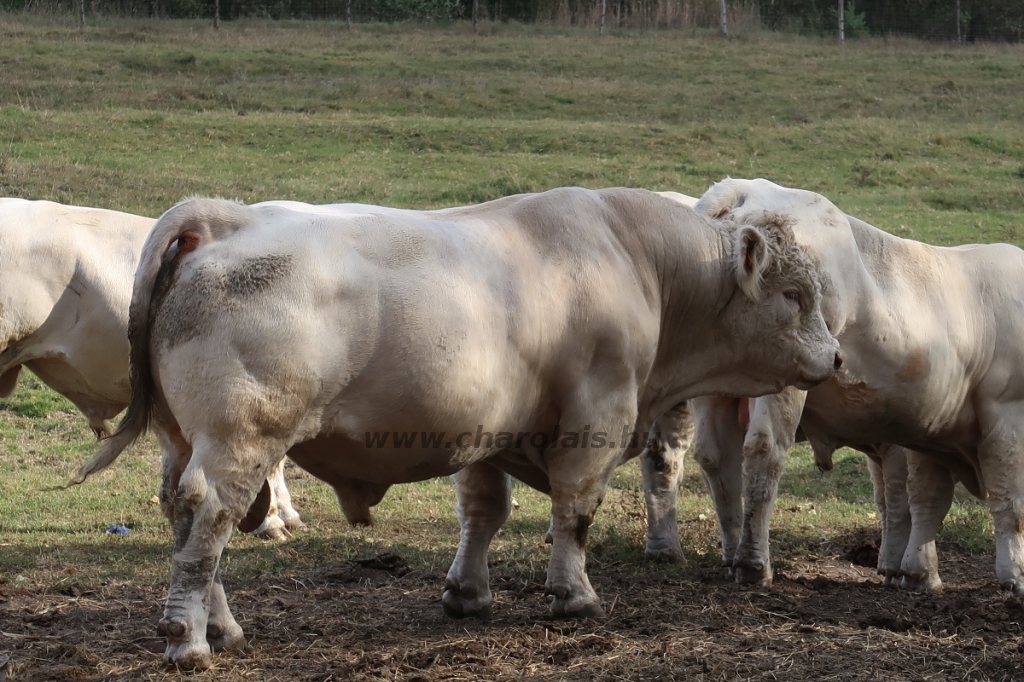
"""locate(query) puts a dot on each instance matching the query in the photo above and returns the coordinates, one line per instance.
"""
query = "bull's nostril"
(838, 362)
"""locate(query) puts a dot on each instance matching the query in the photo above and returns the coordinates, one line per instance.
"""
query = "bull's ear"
(752, 259)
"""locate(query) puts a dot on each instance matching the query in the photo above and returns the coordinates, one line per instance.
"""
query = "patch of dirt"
(376, 619)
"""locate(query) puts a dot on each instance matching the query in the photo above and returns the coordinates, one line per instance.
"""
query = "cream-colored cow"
(66, 277)
(932, 338)
(264, 331)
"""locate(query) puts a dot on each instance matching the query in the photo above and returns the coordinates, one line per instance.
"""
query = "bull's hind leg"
(1002, 466)
(718, 449)
(282, 517)
(216, 489)
(930, 488)
(662, 465)
(484, 502)
(222, 631)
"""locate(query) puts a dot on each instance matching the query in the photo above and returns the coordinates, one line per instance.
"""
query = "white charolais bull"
(66, 277)
(65, 284)
(257, 332)
(934, 363)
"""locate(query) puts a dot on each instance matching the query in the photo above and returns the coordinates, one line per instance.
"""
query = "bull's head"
(777, 316)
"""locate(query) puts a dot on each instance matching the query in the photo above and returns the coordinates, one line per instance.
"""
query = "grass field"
(923, 140)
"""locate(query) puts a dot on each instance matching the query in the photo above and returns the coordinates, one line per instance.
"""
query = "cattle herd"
(548, 337)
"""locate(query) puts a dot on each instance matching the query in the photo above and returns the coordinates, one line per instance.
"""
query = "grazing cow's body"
(257, 332)
(65, 284)
(66, 277)
(935, 362)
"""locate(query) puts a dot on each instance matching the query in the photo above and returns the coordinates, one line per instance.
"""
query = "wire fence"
(963, 20)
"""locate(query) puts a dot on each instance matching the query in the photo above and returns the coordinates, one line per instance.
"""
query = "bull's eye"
(792, 295)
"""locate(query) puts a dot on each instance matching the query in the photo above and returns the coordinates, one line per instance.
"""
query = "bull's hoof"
(276, 533)
(295, 523)
(1015, 587)
(890, 576)
(755, 573)
(171, 628)
(465, 601)
(189, 656)
(665, 555)
(565, 604)
(225, 637)
(183, 651)
(549, 539)
(920, 583)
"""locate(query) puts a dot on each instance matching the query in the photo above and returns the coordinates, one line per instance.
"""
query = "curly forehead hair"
(788, 257)
(787, 261)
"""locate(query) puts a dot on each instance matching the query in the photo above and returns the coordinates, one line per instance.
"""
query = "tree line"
(967, 20)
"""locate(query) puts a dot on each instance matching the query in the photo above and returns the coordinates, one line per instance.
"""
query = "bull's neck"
(697, 282)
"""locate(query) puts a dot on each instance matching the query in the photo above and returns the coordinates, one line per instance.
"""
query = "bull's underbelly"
(336, 457)
(907, 424)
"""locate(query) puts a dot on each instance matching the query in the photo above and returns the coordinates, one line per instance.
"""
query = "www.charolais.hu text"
(505, 439)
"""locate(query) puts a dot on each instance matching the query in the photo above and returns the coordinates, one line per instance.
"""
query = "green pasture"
(923, 140)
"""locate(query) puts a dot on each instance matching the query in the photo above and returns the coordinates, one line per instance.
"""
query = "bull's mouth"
(806, 383)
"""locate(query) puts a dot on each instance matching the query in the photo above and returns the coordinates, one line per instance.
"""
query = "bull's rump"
(306, 325)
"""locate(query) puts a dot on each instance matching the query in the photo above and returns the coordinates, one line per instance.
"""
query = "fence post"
(216, 15)
(476, 12)
(81, 14)
(348, 14)
(604, 6)
(721, 7)
(959, 38)
(842, 28)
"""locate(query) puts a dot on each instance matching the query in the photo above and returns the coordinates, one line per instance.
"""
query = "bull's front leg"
(211, 498)
(930, 489)
(718, 449)
(773, 423)
(889, 484)
(580, 464)
(661, 463)
(484, 502)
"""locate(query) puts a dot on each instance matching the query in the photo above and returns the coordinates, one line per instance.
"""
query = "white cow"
(934, 362)
(555, 322)
(65, 284)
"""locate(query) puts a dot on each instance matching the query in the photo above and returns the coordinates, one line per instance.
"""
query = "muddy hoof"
(665, 555)
(561, 608)
(753, 573)
(465, 601)
(277, 534)
(225, 637)
(920, 584)
(890, 577)
(295, 523)
(1015, 587)
(565, 604)
(189, 656)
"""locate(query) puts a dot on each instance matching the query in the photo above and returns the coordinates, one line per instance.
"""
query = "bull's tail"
(178, 232)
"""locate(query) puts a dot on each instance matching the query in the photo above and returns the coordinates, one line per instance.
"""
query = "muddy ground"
(825, 618)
